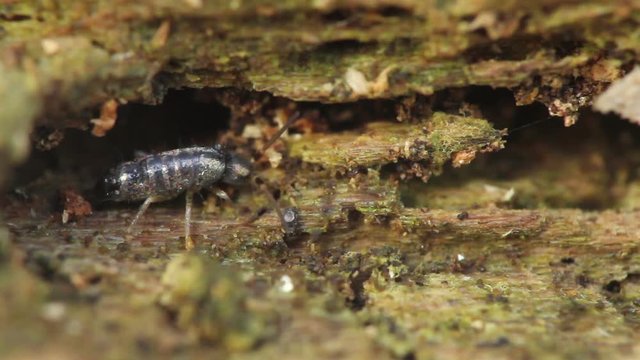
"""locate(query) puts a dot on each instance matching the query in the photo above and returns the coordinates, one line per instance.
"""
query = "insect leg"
(188, 241)
(222, 194)
(275, 205)
(143, 208)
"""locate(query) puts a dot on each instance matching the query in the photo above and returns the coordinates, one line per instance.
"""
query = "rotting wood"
(366, 276)
(554, 258)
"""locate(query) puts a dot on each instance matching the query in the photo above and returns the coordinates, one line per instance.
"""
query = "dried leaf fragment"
(107, 120)
(161, 35)
(50, 46)
(496, 25)
(360, 86)
(463, 157)
(74, 206)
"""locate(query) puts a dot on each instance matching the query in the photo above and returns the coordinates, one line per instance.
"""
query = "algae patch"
(426, 146)
(210, 303)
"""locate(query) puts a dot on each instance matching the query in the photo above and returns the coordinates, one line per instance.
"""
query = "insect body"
(165, 175)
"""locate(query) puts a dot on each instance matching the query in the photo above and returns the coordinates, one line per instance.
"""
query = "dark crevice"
(340, 47)
(597, 149)
(355, 218)
(613, 286)
(357, 280)
(204, 117)
(519, 48)
(14, 17)
(395, 11)
(347, 15)
(178, 122)
(633, 278)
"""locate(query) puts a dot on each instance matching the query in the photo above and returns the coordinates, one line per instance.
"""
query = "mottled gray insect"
(291, 221)
(165, 175)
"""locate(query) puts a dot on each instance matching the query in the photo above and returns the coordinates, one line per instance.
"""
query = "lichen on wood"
(434, 142)
(527, 252)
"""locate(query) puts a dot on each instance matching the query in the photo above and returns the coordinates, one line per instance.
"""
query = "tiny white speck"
(251, 132)
(508, 233)
(289, 216)
(357, 81)
(286, 284)
(460, 257)
(509, 195)
(53, 311)
(491, 189)
(274, 158)
(50, 46)
(194, 3)
(124, 177)
(65, 216)
(122, 56)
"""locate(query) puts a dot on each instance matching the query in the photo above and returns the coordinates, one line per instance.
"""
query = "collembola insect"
(163, 176)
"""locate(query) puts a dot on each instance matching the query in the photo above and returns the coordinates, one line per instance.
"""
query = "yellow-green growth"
(210, 302)
(435, 141)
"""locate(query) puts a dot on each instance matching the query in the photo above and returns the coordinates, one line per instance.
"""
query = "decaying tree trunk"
(529, 252)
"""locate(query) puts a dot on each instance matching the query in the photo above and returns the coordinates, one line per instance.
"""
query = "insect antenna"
(255, 216)
(533, 123)
(274, 203)
(293, 118)
(260, 184)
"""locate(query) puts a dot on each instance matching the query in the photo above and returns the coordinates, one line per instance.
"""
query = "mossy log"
(494, 283)
(534, 255)
(68, 58)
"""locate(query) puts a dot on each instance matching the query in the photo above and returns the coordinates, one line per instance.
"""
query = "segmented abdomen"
(169, 173)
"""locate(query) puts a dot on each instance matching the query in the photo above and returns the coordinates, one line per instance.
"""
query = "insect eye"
(110, 187)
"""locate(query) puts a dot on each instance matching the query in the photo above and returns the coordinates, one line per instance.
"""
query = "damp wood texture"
(452, 185)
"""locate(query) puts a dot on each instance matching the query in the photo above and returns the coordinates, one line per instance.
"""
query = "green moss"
(443, 137)
(210, 303)
(20, 105)
(303, 53)
(22, 297)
